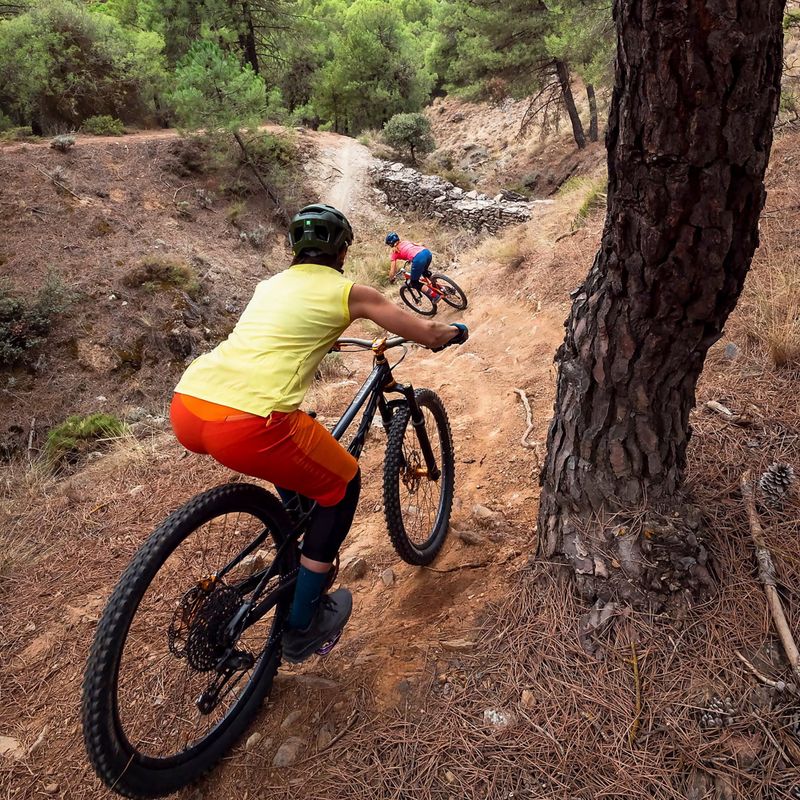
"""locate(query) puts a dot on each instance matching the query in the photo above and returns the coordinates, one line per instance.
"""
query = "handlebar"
(369, 344)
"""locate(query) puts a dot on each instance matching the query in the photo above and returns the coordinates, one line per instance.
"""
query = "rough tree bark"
(689, 135)
(590, 96)
(562, 72)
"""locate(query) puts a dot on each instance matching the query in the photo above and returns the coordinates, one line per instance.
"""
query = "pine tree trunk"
(569, 102)
(247, 39)
(689, 136)
(592, 112)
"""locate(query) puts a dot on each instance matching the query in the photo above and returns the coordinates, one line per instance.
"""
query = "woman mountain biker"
(240, 404)
(419, 258)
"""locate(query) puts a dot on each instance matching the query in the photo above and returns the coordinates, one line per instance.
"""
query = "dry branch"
(58, 183)
(766, 574)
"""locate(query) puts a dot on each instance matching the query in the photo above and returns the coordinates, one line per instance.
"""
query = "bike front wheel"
(417, 300)
(168, 690)
(417, 506)
(452, 293)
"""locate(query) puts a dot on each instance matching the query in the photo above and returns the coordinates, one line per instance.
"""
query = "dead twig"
(349, 724)
(724, 411)
(638, 684)
(58, 183)
(31, 434)
(766, 574)
(529, 416)
(781, 686)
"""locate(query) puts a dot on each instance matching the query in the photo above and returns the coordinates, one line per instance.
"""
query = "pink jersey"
(406, 251)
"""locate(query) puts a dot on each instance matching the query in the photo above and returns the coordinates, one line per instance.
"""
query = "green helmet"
(319, 227)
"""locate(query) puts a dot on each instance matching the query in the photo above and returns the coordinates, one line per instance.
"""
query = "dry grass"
(771, 300)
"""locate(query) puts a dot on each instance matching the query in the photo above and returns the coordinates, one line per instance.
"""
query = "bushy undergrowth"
(103, 125)
(78, 435)
(25, 323)
(161, 272)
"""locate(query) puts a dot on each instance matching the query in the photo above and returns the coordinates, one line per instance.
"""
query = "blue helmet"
(392, 239)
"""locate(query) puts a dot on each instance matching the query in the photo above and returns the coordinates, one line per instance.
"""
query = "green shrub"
(19, 134)
(77, 436)
(63, 61)
(103, 125)
(458, 178)
(25, 324)
(235, 212)
(409, 133)
(158, 273)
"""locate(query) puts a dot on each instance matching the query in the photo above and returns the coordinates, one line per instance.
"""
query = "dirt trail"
(400, 635)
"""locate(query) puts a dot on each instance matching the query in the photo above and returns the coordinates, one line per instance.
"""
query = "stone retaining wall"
(406, 189)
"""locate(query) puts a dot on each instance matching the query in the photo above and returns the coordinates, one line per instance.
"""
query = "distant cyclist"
(240, 403)
(418, 258)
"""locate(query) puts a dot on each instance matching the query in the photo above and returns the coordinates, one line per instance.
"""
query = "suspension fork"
(418, 421)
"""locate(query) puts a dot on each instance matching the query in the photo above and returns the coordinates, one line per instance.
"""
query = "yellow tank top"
(269, 360)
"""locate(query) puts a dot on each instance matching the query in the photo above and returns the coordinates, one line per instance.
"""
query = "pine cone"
(718, 713)
(775, 484)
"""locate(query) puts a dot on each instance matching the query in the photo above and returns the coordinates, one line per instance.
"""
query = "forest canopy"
(344, 65)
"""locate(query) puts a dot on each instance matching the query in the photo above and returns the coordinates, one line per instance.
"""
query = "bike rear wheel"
(452, 293)
(158, 711)
(417, 507)
(417, 300)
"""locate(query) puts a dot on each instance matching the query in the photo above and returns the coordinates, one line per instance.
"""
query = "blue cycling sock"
(307, 592)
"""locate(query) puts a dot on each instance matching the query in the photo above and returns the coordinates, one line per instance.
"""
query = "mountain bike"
(439, 286)
(190, 641)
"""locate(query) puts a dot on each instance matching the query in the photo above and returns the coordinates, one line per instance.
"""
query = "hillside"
(432, 655)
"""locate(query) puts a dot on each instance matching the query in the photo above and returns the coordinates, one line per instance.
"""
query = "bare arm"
(368, 303)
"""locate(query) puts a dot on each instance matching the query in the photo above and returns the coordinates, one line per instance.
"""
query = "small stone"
(449, 777)
(471, 538)
(387, 576)
(51, 788)
(10, 748)
(290, 720)
(252, 740)
(30, 627)
(137, 414)
(458, 645)
(287, 753)
(354, 569)
(498, 718)
(484, 515)
(101, 398)
(324, 736)
(731, 351)
(528, 699)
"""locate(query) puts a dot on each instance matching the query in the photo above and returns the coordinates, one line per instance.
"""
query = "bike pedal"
(328, 646)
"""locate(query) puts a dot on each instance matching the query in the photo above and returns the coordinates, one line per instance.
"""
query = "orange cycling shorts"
(291, 450)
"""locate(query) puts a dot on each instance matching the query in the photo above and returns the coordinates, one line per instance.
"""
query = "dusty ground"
(423, 659)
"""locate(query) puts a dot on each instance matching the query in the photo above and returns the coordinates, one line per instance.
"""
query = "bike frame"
(370, 397)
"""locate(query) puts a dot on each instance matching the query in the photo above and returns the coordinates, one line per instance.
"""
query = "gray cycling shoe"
(321, 635)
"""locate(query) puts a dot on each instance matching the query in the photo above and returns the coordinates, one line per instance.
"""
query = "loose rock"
(498, 718)
(387, 576)
(324, 736)
(10, 748)
(354, 569)
(471, 538)
(291, 719)
(252, 740)
(287, 753)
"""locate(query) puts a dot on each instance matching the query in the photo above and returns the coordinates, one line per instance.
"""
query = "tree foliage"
(344, 64)
(409, 133)
(61, 63)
